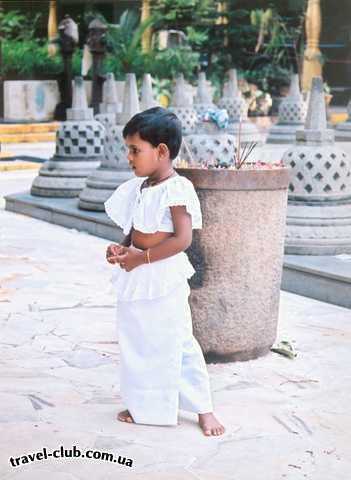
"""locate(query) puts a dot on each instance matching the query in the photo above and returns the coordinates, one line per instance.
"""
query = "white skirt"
(162, 366)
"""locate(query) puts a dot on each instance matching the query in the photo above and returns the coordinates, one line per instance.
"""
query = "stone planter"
(238, 258)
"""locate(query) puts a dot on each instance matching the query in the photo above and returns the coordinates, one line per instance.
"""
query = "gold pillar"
(145, 15)
(312, 66)
(222, 7)
(52, 27)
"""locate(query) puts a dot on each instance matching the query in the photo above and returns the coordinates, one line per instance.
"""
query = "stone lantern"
(97, 44)
(68, 41)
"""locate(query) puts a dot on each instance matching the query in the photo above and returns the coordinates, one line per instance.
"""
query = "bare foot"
(125, 416)
(210, 425)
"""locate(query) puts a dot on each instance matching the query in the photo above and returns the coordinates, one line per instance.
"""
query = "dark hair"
(157, 125)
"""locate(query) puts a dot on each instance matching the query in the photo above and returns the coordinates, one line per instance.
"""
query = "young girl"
(162, 365)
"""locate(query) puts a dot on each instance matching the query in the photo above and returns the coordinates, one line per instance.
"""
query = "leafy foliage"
(253, 41)
(14, 25)
(124, 42)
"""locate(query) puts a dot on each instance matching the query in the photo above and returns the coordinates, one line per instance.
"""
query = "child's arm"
(179, 242)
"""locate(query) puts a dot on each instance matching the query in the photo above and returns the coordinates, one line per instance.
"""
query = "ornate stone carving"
(182, 106)
(292, 115)
(146, 96)
(203, 98)
(236, 106)
(114, 169)
(79, 151)
(320, 186)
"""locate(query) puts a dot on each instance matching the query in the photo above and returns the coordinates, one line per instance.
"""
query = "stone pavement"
(285, 419)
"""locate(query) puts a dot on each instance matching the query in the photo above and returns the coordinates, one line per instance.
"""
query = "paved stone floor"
(285, 419)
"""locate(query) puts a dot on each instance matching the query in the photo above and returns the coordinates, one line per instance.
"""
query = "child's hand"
(112, 250)
(130, 258)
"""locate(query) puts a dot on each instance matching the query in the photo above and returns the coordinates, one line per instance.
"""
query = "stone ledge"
(324, 278)
(64, 212)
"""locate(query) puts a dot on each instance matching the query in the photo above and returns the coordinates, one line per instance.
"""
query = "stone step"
(324, 278)
(4, 154)
(28, 137)
(7, 166)
(28, 132)
(21, 128)
(337, 117)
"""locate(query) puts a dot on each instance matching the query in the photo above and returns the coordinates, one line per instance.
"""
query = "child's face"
(142, 156)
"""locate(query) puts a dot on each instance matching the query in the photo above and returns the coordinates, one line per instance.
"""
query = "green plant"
(278, 37)
(124, 42)
(269, 77)
(162, 87)
(172, 61)
(14, 25)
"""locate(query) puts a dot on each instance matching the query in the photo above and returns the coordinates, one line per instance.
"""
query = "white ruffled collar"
(154, 187)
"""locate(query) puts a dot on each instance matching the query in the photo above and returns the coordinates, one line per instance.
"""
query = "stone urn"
(238, 258)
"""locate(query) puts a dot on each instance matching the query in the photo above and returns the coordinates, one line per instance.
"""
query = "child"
(162, 365)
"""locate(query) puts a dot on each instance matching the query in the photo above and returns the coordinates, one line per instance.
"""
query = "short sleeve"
(181, 191)
(119, 206)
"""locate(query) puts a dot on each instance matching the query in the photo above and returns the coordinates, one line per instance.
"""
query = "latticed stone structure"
(209, 148)
(182, 106)
(147, 99)
(79, 151)
(114, 168)
(292, 115)
(319, 211)
(203, 98)
(237, 108)
(232, 99)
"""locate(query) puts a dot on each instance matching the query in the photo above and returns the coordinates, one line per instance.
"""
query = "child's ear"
(163, 150)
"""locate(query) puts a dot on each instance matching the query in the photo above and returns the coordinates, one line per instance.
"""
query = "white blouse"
(148, 210)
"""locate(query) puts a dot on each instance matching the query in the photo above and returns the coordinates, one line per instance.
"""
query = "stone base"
(343, 132)
(243, 356)
(324, 278)
(100, 186)
(283, 134)
(318, 229)
(59, 177)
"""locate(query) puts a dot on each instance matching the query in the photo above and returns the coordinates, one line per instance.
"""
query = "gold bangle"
(148, 255)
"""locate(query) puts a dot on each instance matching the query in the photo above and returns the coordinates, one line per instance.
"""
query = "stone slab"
(64, 212)
(325, 278)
